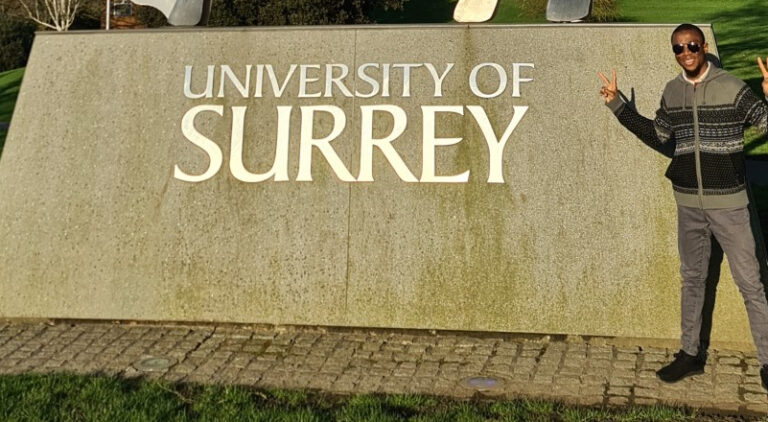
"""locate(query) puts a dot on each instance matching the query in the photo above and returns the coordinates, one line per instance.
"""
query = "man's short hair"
(688, 27)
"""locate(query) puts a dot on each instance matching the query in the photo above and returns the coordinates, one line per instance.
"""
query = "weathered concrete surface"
(580, 239)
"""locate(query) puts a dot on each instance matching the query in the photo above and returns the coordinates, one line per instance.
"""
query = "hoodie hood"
(700, 89)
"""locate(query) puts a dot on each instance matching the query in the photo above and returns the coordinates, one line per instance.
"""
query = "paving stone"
(523, 369)
(592, 390)
(476, 359)
(727, 378)
(586, 400)
(594, 379)
(499, 369)
(618, 401)
(599, 363)
(619, 390)
(471, 367)
(728, 369)
(756, 408)
(619, 381)
(644, 401)
(567, 380)
(626, 356)
(756, 398)
(728, 360)
(393, 365)
(528, 346)
(571, 370)
(546, 369)
(174, 377)
(649, 374)
(646, 392)
(623, 373)
(624, 364)
(507, 346)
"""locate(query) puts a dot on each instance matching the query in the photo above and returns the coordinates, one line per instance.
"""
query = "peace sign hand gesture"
(764, 71)
(609, 90)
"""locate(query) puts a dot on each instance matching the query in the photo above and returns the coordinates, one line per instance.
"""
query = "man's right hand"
(609, 90)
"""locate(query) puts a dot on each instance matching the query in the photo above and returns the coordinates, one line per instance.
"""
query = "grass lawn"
(9, 89)
(63, 397)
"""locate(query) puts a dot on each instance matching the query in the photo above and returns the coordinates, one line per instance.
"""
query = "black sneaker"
(683, 366)
(764, 376)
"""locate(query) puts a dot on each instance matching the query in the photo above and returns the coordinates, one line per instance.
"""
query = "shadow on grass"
(743, 28)
(103, 397)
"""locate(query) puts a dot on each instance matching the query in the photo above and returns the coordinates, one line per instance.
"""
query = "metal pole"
(108, 15)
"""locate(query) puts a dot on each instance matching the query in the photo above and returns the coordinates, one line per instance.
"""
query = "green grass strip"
(10, 82)
(65, 397)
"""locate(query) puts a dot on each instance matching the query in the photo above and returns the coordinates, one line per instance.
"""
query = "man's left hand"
(764, 71)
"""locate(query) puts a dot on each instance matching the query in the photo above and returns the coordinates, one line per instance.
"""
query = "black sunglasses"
(692, 47)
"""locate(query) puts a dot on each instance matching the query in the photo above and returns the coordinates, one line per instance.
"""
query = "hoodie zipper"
(696, 147)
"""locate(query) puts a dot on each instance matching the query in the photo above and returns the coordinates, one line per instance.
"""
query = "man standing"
(702, 117)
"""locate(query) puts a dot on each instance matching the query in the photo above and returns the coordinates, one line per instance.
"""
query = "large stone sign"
(446, 177)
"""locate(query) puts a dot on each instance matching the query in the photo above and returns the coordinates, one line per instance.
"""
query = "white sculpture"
(568, 10)
(180, 12)
(474, 10)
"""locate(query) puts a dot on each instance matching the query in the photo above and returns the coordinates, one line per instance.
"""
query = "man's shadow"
(714, 270)
(716, 260)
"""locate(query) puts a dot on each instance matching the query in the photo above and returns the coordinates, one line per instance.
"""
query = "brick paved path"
(575, 370)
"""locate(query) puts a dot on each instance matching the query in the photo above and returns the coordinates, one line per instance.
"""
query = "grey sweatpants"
(731, 228)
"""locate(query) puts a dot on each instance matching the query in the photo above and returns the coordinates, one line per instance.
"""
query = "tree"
(16, 36)
(55, 14)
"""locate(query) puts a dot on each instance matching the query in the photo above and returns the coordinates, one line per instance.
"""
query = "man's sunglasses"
(692, 47)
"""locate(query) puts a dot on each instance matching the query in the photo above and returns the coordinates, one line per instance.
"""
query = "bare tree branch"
(59, 14)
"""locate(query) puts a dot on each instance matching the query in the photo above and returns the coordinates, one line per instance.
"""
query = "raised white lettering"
(208, 93)
(495, 145)
(211, 149)
(323, 144)
(516, 79)
(279, 168)
(226, 72)
(304, 79)
(429, 142)
(367, 142)
(502, 80)
(438, 79)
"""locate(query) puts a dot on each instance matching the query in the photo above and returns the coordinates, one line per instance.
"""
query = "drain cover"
(154, 363)
(482, 383)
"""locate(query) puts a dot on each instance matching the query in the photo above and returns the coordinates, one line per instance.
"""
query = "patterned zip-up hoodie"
(704, 125)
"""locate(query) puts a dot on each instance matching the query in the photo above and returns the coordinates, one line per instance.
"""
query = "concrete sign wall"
(444, 177)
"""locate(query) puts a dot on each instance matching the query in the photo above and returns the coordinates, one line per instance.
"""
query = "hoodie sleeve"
(656, 133)
(752, 110)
